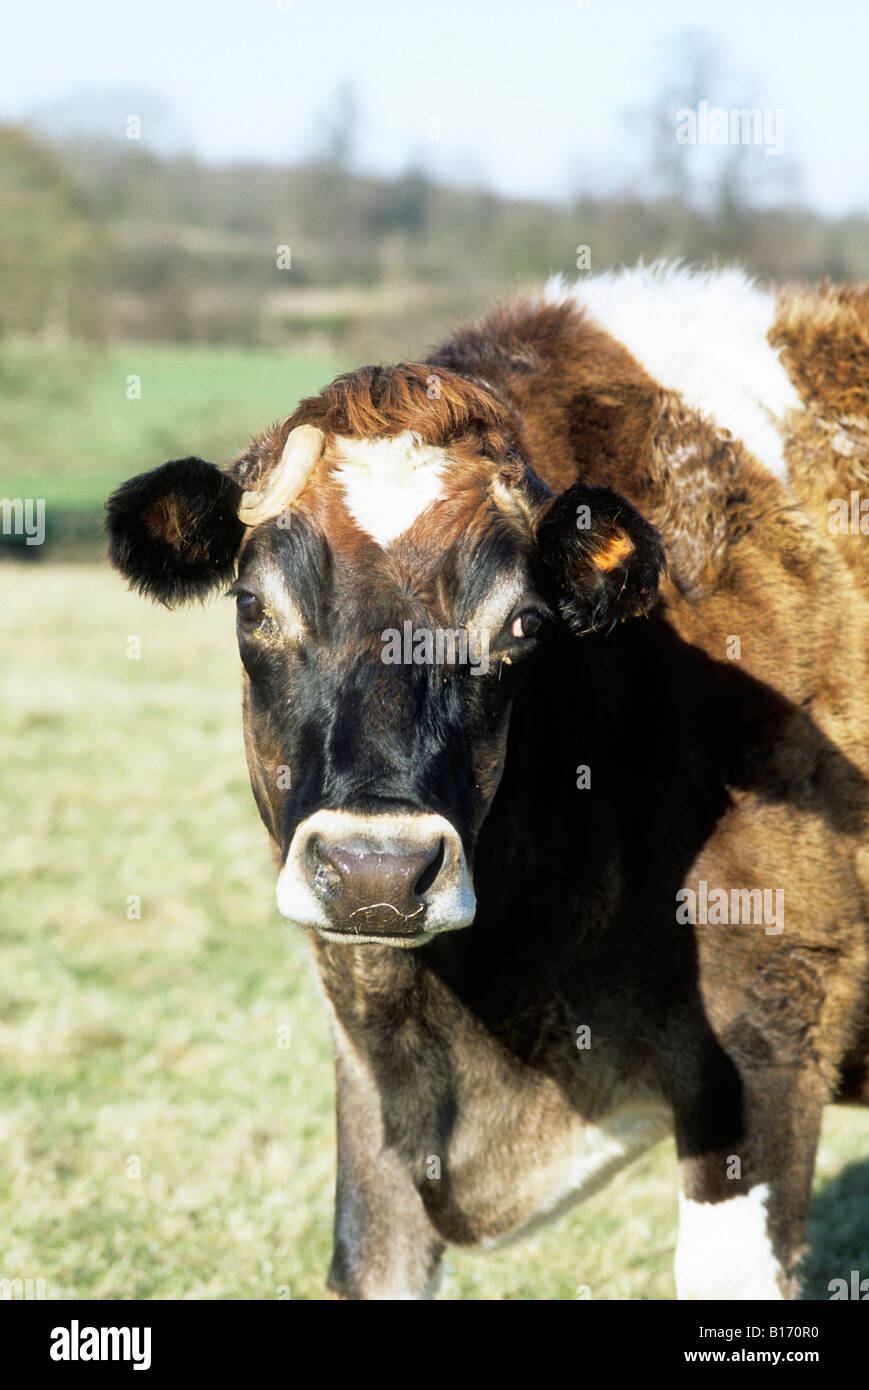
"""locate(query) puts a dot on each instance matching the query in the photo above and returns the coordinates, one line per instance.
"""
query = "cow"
(556, 709)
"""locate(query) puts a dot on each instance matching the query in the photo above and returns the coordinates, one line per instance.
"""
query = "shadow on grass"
(838, 1232)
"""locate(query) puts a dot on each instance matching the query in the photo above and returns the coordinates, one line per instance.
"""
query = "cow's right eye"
(249, 608)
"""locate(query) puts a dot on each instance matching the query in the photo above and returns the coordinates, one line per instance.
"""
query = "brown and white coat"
(656, 443)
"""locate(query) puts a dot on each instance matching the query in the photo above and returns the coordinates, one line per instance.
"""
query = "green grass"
(70, 434)
(157, 1038)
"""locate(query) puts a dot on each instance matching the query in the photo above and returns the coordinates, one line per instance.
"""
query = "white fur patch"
(600, 1150)
(724, 1250)
(703, 334)
(388, 482)
(596, 1152)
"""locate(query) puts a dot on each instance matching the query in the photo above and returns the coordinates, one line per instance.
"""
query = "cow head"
(396, 568)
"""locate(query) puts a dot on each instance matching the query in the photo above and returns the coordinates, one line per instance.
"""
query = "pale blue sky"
(529, 95)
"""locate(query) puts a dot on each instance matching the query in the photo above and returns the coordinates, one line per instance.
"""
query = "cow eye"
(248, 607)
(527, 623)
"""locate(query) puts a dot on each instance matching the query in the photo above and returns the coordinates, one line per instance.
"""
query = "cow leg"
(743, 1206)
(385, 1245)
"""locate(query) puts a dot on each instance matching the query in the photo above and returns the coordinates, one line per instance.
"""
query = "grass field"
(156, 1038)
(71, 434)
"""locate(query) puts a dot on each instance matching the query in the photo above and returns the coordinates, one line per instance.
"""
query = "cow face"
(391, 593)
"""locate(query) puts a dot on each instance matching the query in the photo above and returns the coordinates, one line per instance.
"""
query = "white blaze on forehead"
(388, 482)
(724, 1249)
(703, 334)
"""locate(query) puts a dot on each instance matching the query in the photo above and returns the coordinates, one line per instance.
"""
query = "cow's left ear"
(174, 533)
(601, 556)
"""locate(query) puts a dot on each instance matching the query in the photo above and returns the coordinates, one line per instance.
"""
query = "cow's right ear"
(175, 533)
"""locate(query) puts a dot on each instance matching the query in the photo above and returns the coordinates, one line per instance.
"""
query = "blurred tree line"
(106, 241)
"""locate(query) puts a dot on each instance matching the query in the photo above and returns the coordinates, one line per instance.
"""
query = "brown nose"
(373, 890)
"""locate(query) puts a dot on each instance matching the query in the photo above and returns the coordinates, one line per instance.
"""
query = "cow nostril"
(325, 878)
(363, 883)
(430, 872)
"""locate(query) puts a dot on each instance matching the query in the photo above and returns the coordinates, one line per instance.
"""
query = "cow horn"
(287, 480)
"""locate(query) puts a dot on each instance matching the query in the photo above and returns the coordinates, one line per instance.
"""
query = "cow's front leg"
(743, 1207)
(385, 1245)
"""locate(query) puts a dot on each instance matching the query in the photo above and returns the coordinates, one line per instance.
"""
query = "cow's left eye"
(527, 623)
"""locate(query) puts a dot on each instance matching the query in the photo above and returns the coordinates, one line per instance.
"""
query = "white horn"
(287, 480)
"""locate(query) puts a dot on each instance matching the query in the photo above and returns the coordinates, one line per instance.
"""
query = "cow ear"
(174, 533)
(602, 557)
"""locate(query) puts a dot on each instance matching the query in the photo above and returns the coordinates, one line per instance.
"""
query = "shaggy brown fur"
(824, 337)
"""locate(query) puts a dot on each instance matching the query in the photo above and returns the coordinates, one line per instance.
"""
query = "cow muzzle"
(396, 879)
